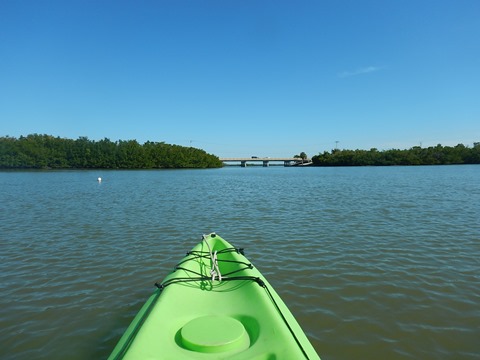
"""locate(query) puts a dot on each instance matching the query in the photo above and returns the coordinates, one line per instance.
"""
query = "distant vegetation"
(435, 155)
(48, 152)
(302, 156)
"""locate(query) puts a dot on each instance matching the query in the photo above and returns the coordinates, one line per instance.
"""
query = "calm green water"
(377, 263)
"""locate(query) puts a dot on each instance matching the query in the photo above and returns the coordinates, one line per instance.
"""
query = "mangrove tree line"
(434, 155)
(47, 152)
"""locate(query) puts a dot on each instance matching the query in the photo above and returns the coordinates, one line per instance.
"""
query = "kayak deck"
(214, 305)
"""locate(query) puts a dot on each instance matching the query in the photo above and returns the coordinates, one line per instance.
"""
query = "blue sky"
(243, 78)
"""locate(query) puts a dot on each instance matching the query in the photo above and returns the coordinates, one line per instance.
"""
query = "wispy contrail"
(361, 71)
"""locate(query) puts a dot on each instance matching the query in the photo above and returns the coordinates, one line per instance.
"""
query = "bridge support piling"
(265, 163)
(243, 164)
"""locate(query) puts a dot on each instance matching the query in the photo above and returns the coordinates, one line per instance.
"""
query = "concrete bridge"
(266, 161)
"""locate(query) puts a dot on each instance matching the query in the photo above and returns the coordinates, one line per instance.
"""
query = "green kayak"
(214, 305)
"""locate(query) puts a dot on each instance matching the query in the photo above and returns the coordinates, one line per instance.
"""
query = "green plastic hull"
(191, 316)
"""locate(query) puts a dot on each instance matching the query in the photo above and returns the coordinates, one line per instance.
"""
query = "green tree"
(434, 155)
(45, 151)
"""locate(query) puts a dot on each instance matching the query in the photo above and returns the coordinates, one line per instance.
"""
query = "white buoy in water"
(99, 179)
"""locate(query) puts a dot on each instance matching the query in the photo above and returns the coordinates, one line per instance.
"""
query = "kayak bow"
(214, 305)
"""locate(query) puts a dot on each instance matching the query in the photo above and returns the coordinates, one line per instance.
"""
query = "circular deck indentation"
(212, 334)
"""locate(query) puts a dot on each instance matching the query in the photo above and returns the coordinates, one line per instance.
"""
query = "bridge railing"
(266, 160)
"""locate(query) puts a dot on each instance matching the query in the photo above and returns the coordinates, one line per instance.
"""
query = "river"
(374, 262)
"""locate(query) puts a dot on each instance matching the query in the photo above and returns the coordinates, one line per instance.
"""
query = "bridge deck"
(261, 159)
(266, 161)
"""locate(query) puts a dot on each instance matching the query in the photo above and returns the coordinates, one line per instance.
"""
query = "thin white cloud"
(361, 71)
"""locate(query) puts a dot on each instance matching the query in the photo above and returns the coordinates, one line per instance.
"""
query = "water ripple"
(374, 262)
